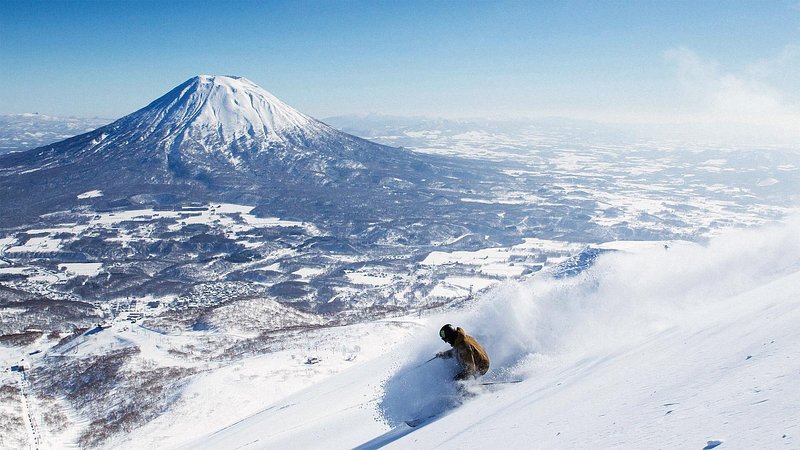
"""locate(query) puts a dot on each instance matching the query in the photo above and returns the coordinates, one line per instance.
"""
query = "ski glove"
(445, 355)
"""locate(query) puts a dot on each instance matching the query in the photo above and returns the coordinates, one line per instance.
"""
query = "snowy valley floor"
(687, 347)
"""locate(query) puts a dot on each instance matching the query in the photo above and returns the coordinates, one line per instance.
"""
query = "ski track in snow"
(31, 424)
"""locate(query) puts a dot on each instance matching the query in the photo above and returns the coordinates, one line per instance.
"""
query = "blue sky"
(634, 61)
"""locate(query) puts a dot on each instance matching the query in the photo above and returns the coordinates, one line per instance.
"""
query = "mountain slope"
(212, 137)
(723, 377)
(207, 118)
(646, 349)
(218, 123)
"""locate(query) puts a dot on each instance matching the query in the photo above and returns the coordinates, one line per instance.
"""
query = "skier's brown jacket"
(470, 355)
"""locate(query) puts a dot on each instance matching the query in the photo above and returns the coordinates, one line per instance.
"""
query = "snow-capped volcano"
(210, 138)
(233, 107)
(210, 124)
(211, 110)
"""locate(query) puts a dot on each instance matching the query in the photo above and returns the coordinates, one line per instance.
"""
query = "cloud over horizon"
(740, 98)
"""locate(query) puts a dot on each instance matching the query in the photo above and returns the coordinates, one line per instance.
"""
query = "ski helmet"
(447, 333)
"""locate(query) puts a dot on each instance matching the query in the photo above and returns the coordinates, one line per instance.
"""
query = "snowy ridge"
(687, 347)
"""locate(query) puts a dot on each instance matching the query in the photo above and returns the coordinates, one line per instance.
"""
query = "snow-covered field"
(232, 219)
(620, 176)
(684, 346)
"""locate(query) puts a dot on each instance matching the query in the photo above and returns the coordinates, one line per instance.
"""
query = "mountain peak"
(234, 83)
(221, 128)
(210, 108)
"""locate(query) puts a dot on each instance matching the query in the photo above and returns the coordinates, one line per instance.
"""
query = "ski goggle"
(441, 333)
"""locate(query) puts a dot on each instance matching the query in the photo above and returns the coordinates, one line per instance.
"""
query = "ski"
(489, 383)
(413, 423)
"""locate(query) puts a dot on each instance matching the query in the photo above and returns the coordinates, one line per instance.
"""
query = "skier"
(470, 355)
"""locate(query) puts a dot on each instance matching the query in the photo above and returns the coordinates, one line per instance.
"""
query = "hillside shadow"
(419, 391)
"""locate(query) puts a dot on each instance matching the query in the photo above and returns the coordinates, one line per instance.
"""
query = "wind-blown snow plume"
(628, 295)
(624, 298)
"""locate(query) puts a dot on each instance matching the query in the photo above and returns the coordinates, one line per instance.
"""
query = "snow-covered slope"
(211, 137)
(207, 122)
(685, 347)
(219, 114)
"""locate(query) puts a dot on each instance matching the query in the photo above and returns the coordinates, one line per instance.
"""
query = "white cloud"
(744, 99)
(787, 58)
